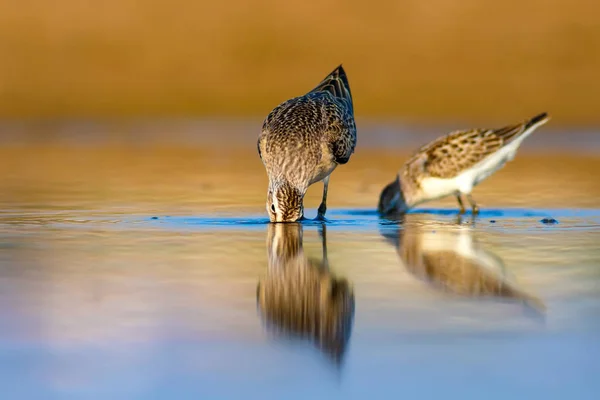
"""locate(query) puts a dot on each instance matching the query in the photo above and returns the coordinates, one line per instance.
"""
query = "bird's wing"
(326, 111)
(449, 155)
(341, 134)
(336, 100)
(336, 83)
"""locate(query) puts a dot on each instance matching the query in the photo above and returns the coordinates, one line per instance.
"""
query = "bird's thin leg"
(323, 235)
(460, 203)
(473, 205)
(323, 207)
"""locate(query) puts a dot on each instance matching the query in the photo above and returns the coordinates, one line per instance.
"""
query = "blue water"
(135, 269)
(550, 366)
(118, 306)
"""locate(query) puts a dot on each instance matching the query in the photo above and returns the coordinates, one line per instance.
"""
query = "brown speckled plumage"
(447, 157)
(299, 297)
(302, 142)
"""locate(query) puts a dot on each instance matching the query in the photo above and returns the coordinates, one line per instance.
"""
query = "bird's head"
(391, 199)
(285, 203)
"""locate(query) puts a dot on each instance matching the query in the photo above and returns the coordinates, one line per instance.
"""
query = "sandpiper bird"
(454, 164)
(302, 141)
(453, 261)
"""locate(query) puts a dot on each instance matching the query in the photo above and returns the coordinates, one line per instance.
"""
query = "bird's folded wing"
(448, 156)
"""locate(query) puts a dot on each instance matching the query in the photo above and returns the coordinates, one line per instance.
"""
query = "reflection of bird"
(454, 262)
(453, 165)
(300, 297)
(302, 141)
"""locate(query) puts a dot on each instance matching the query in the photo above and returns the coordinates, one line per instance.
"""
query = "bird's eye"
(273, 207)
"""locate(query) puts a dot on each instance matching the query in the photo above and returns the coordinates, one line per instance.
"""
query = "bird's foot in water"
(321, 213)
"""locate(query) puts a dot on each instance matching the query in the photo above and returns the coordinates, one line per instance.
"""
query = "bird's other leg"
(473, 205)
(323, 207)
(460, 204)
(323, 235)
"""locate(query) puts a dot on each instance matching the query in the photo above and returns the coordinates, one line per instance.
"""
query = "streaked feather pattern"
(290, 143)
(448, 156)
(453, 165)
(302, 141)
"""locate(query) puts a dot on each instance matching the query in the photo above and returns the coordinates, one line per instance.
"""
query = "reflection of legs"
(323, 206)
(323, 235)
(473, 205)
(460, 203)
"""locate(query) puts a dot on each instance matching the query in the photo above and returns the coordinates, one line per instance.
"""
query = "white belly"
(435, 188)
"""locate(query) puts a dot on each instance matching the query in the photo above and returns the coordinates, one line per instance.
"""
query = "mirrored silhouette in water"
(450, 259)
(300, 298)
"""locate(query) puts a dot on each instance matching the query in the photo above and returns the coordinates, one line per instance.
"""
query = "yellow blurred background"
(413, 59)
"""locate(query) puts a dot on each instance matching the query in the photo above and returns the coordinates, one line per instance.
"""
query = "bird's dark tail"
(337, 84)
(537, 120)
(508, 133)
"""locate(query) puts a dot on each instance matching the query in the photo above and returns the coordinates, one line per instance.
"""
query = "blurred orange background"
(413, 59)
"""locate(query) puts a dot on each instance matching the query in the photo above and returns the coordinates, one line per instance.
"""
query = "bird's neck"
(278, 183)
(408, 193)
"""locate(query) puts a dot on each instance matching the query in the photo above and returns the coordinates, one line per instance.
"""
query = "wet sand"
(130, 269)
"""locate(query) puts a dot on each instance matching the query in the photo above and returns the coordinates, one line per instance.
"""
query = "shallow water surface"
(151, 272)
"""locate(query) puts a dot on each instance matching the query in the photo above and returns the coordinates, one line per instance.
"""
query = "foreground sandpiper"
(453, 165)
(302, 141)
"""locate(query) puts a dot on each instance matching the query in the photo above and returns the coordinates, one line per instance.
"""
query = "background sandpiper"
(453, 165)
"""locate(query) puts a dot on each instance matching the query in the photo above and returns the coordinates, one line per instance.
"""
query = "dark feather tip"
(538, 118)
